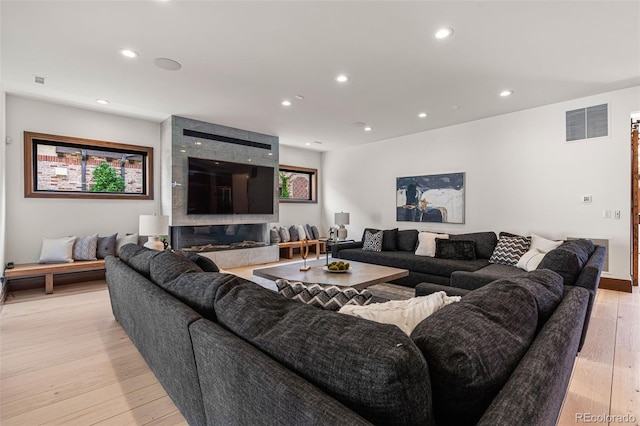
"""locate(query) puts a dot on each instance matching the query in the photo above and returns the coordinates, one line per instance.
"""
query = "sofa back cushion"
(407, 240)
(138, 258)
(485, 242)
(472, 347)
(168, 266)
(206, 264)
(199, 290)
(568, 259)
(374, 369)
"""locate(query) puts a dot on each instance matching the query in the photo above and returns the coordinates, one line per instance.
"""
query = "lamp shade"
(341, 218)
(151, 224)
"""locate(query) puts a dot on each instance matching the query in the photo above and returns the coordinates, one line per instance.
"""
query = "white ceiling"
(241, 59)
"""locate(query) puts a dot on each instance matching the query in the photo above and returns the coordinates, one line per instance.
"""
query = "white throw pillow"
(530, 260)
(302, 233)
(405, 314)
(57, 250)
(543, 244)
(427, 243)
(122, 240)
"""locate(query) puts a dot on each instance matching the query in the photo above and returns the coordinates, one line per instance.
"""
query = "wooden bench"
(286, 249)
(50, 269)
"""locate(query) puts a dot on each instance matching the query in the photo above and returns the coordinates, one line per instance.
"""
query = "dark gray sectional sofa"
(229, 352)
(579, 263)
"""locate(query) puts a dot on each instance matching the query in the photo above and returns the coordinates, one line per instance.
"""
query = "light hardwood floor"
(65, 360)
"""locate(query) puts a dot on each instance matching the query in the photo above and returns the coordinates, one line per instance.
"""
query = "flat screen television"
(221, 187)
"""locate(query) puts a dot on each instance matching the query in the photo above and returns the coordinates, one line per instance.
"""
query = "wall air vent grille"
(587, 123)
(227, 139)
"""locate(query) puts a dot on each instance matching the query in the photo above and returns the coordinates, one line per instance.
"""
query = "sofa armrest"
(243, 386)
(536, 389)
(425, 289)
(335, 248)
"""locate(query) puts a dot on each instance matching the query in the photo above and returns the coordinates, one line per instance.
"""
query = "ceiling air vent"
(587, 123)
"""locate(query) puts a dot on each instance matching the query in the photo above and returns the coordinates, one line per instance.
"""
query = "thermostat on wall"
(587, 198)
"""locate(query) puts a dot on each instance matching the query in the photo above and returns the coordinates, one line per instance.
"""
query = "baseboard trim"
(615, 284)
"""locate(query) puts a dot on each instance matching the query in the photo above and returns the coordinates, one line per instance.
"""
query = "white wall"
(521, 176)
(30, 219)
(302, 213)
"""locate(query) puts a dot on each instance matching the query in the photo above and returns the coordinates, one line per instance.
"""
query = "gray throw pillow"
(455, 249)
(316, 233)
(309, 231)
(407, 240)
(106, 246)
(274, 235)
(285, 237)
(293, 233)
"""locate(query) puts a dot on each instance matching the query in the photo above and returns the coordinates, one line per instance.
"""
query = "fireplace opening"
(206, 238)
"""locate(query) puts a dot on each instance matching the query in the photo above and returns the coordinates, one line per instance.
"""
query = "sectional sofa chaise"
(230, 352)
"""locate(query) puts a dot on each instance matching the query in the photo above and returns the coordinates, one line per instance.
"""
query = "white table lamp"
(153, 226)
(342, 219)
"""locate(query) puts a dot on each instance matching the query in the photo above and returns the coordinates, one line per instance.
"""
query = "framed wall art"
(430, 198)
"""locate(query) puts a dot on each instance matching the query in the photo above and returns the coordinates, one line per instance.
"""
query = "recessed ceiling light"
(368, 129)
(299, 97)
(308, 143)
(167, 64)
(422, 115)
(506, 93)
(444, 32)
(129, 53)
(286, 102)
(102, 101)
(455, 107)
(342, 78)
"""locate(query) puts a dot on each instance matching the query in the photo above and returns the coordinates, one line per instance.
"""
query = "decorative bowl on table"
(337, 267)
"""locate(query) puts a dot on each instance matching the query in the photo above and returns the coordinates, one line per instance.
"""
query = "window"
(297, 184)
(61, 166)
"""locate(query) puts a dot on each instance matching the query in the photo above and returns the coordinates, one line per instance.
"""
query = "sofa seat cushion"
(329, 297)
(482, 277)
(568, 259)
(372, 368)
(412, 262)
(472, 347)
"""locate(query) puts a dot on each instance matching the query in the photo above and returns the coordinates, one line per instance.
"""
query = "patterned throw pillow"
(509, 250)
(85, 248)
(330, 298)
(372, 241)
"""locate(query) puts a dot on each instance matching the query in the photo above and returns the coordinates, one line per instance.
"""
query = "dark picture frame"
(65, 167)
(431, 198)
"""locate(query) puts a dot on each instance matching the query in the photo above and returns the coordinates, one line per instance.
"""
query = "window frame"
(313, 174)
(31, 139)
